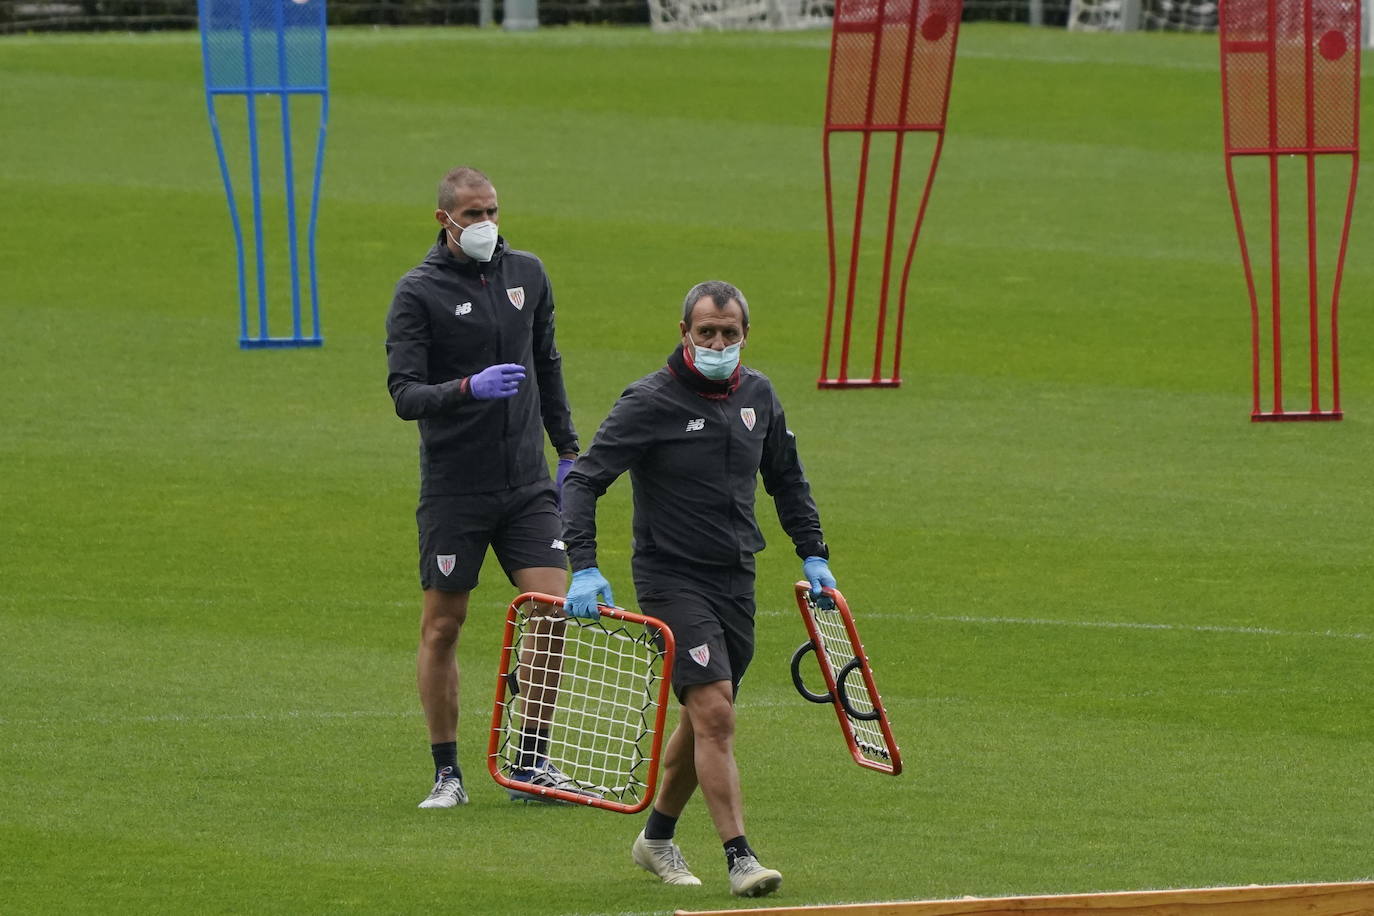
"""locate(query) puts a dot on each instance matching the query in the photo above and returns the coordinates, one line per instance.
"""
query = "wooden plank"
(1347, 899)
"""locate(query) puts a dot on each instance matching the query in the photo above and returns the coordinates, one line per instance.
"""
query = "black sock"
(660, 826)
(735, 848)
(534, 748)
(445, 755)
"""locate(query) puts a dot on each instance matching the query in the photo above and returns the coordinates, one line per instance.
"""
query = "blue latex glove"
(499, 381)
(587, 584)
(564, 466)
(817, 572)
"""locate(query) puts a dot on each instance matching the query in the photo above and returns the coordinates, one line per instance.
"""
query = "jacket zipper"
(500, 349)
(729, 494)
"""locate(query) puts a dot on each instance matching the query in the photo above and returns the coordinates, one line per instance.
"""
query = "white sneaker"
(547, 776)
(447, 792)
(663, 858)
(750, 879)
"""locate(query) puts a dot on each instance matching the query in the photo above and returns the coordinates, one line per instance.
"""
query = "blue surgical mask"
(715, 364)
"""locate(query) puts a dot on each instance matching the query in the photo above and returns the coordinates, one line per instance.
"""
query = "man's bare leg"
(702, 751)
(654, 850)
(541, 660)
(436, 664)
(711, 708)
(436, 677)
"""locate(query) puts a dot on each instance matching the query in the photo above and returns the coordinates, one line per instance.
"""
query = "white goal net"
(671, 15)
(1166, 16)
(1145, 15)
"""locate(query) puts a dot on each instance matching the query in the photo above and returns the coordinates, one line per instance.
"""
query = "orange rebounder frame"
(594, 690)
(1290, 84)
(848, 679)
(891, 62)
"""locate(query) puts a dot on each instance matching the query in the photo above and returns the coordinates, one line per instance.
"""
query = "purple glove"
(564, 466)
(500, 381)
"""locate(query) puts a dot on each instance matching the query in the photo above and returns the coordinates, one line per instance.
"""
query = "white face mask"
(477, 241)
(715, 364)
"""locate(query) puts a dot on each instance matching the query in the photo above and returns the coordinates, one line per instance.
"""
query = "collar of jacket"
(442, 256)
(704, 387)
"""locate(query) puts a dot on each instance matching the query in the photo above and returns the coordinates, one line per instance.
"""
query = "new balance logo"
(463, 308)
(558, 545)
(694, 425)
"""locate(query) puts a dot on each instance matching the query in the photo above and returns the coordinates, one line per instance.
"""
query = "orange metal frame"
(835, 681)
(659, 628)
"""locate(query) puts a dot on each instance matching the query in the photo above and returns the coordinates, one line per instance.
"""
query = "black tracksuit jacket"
(451, 319)
(693, 463)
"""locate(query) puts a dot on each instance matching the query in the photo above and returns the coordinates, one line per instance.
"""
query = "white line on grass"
(1103, 625)
(866, 615)
(283, 716)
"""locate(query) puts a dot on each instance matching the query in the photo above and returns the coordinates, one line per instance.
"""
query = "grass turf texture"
(1124, 634)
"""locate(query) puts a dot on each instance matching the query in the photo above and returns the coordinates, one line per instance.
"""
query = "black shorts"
(710, 610)
(522, 526)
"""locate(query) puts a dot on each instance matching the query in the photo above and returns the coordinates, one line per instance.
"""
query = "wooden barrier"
(1348, 899)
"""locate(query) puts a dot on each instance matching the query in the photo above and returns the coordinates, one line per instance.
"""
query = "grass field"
(1125, 635)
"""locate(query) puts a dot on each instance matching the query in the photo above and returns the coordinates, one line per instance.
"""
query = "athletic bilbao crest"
(517, 296)
(747, 415)
(701, 654)
(446, 561)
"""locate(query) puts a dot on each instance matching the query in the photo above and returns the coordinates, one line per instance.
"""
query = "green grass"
(1124, 634)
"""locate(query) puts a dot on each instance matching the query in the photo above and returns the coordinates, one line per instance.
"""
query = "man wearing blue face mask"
(694, 437)
(471, 356)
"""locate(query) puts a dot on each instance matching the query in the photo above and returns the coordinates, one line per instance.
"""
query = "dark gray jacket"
(693, 462)
(449, 320)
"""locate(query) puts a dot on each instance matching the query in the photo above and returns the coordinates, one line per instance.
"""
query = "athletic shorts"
(521, 525)
(710, 610)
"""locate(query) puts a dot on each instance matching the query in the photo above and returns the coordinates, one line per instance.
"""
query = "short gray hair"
(720, 292)
(464, 176)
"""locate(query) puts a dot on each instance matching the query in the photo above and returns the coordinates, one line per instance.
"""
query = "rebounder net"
(848, 679)
(588, 697)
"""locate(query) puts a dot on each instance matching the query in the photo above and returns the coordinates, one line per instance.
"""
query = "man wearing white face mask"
(694, 436)
(471, 356)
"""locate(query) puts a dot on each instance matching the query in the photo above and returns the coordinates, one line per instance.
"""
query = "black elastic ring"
(844, 697)
(797, 678)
